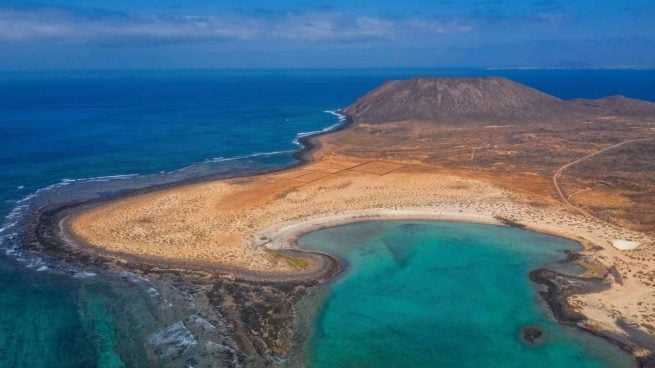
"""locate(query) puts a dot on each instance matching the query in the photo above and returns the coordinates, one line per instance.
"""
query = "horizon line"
(246, 69)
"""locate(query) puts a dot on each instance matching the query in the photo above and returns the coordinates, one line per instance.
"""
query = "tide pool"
(443, 294)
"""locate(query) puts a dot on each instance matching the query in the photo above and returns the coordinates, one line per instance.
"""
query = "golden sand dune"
(215, 221)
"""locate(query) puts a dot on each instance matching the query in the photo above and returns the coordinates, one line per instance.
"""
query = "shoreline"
(52, 232)
(307, 143)
(284, 239)
(558, 285)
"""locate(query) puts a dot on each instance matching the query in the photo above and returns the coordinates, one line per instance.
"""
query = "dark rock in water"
(571, 256)
(533, 334)
(558, 287)
(510, 222)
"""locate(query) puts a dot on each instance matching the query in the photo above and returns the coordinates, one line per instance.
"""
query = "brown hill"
(620, 105)
(606, 145)
(462, 100)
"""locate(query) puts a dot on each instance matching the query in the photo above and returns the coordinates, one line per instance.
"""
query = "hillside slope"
(462, 100)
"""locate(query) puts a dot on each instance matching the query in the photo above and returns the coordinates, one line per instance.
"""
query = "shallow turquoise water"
(53, 320)
(443, 294)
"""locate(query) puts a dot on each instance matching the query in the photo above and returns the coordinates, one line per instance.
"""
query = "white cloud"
(440, 26)
(332, 27)
(66, 26)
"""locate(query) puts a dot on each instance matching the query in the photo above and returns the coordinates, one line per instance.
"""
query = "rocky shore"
(255, 314)
(558, 287)
(252, 315)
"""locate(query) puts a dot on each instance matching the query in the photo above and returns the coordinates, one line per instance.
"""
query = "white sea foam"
(296, 141)
(96, 179)
(260, 154)
(6, 226)
(10, 227)
(174, 339)
(23, 204)
(336, 113)
(83, 274)
(342, 119)
(32, 262)
(152, 292)
(202, 323)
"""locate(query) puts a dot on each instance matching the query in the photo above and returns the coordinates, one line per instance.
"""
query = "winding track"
(559, 172)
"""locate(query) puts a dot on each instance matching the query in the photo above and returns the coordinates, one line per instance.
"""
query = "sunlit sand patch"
(378, 167)
(621, 244)
(312, 176)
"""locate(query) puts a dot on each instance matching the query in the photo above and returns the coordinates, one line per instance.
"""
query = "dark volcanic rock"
(558, 287)
(532, 334)
(461, 100)
(235, 322)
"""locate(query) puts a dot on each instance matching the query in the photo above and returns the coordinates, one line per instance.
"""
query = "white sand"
(621, 244)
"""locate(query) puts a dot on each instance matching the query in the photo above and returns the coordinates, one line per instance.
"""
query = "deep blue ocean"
(74, 135)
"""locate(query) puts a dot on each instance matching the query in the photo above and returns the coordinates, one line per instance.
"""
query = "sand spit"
(238, 223)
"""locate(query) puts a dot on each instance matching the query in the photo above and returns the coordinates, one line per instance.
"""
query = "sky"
(190, 34)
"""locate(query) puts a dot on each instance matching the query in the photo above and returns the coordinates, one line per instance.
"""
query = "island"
(484, 150)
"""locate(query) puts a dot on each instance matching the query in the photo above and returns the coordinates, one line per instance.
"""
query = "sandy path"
(559, 172)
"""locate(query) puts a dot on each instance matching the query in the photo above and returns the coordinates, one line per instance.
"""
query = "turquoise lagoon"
(443, 294)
